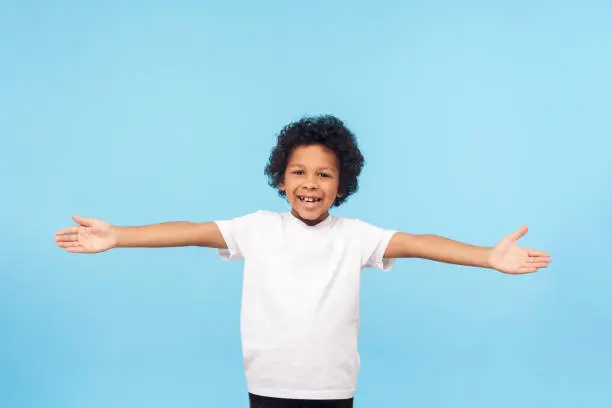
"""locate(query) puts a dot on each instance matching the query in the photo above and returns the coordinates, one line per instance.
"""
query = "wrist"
(114, 234)
(487, 262)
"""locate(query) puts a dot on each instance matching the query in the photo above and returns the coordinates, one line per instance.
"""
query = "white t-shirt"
(300, 300)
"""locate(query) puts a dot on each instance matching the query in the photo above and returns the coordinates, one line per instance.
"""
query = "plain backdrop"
(475, 118)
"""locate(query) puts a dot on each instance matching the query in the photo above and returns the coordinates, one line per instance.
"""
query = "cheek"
(331, 190)
(289, 187)
(286, 184)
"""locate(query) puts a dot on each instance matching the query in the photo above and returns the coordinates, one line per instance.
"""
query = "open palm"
(508, 257)
(89, 237)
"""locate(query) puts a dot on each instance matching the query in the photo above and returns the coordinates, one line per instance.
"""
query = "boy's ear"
(281, 186)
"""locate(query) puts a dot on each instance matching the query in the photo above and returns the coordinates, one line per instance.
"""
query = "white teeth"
(309, 199)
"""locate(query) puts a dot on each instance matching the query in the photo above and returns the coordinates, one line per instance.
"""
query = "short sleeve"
(239, 235)
(373, 244)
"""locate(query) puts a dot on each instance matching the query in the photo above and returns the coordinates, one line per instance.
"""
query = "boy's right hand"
(89, 237)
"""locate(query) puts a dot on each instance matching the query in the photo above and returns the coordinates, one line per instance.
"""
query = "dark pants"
(258, 401)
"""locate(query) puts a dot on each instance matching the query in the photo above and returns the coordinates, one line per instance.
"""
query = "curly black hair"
(325, 130)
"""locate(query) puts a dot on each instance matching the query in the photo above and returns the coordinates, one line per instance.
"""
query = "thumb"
(519, 233)
(87, 222)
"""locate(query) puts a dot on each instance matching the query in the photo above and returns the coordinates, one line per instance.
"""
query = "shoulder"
(358, 226)
(347, 222)
(267, 217)
(268, 214)
(352, 227)
(262, 214)
(252, 219)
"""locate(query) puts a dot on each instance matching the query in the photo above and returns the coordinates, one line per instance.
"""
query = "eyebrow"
(320, 168)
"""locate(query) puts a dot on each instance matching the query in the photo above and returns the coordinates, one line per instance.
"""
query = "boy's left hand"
(508, 257)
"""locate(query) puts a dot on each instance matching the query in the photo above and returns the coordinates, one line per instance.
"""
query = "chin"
(310, 215)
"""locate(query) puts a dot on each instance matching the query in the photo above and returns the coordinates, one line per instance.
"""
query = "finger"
(78, 250)
(519, 233)
(538, 259)
(66, 238)
(539, 265)
(69, 230)
(535, 252)
(527, 269)
(87, 222)
(68, 244)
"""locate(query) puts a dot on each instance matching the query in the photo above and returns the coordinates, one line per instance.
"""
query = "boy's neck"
(310, 223)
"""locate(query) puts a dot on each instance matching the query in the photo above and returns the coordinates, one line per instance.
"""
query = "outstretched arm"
(506, 256)
(93, 235)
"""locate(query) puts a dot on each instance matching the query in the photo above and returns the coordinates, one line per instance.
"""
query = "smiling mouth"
(307, 199)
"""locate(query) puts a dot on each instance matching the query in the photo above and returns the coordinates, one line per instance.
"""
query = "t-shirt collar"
(327, 221)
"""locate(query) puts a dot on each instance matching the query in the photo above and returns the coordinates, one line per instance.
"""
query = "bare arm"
(93, 236)
(437, 248)
(170, 234)
(506, 256)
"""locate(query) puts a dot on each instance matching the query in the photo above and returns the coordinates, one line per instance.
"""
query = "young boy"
(300, 301)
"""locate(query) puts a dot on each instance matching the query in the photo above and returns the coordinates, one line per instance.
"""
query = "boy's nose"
(309, 185)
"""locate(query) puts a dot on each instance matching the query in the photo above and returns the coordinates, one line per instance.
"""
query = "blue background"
(475, 118)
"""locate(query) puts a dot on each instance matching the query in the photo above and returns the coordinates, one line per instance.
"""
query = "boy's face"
(311, 182)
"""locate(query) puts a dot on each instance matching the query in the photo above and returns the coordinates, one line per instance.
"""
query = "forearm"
(446, 250)
(169, 234)
(438, 248)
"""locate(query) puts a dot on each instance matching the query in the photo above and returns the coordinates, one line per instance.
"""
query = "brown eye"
(298, 172)
(324, 175)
